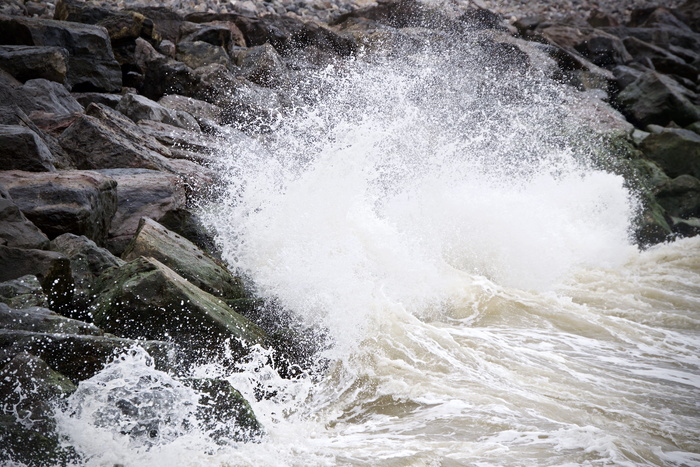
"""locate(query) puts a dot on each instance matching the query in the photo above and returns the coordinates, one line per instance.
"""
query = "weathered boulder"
(263, 65)
(660, 58)
(199, 53)
(600, 47)
(15, 229)
(141, 108)
(71, 201)
(40, 95)
(91, 63)
(166, 22)
(677, 151)
(199, 109)
(22, 149)
(29, 62)
(120, 25)
(223, 412)
(104, 139)
(22, 444)
(146, 299)
(189, 225)
(51, 268)
(88, 262)
(23, 292)
(87, 98)
(680, 197)
(179, 254)
(141, 193)
(183, 144)
(162, 75)
(658, 99)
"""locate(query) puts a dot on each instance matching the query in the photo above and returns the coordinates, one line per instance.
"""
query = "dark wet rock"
(600, 47)
(88, 262)
(660, 59)
(120, 25)
(22, 149)
(15, 229)
(263, 65)
(166, 22)
(188, 224)
(105, 139)
(223, 412)
(23, 292)
(162, 75)
(75, 201)
(677, 151)
(179, 254)
(141, 108)
(626, 75)
(183, 144)
(689, 13)
(29, 62)
(87, 98)
(30, 447)
(141, 193)
(215, 34)
(40, 95)
(680, 197)
(42, 320)
(198, 53)
(201, 110)
(655, 98)
(51, 268)
(91, 63)
(146, 299)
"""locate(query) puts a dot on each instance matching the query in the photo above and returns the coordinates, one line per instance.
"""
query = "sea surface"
(466, 246)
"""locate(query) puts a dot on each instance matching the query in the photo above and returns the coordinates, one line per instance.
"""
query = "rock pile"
(111, 117)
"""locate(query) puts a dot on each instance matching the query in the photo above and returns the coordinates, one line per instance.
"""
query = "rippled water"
(448, 227)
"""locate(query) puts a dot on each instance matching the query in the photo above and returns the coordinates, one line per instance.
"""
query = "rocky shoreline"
(111, 120)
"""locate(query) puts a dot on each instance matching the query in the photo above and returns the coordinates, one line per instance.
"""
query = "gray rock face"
(141, 108)
(23, 292)
(29, 62)
(183, 144)
(141, 193)
(15, 229)
(22, 149)
(263, 65)
(199, 53)
(40, 95)
(146, 299)
(91, 63)
(680, 197)
(179, 254)
(71, 201)
(657, 99)
(199, 109)
(676, 151)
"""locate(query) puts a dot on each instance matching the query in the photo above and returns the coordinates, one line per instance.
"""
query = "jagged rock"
(22, 444)
(184, 222)
(199, 109)
(15, 229)
(23, 292)
(73, 201)
(162, 75)
(87, 98)
(166, 22)
(626, 75)
(214, 34)
(263, 65)
(40, 95)
(690, 14)
(660, 59)
(88, 262)
(120, 25)
(22, 149)
(141, 108)
(146, 299)
(658, 99)
(51, 268)
(184, 144)
(223, 412)
(677, 151)
(28, 62)
(91, 63)
(198, 53)
(600, 47)
(141, 193)
(105, 139)
(179, 254)
(680, 197)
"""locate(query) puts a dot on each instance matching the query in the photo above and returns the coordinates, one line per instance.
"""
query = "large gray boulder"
(657, 99)
(680, 197)
(23, 292)
(91, 62)
(179, 254)
(141, 108)
(71, 201)
(676, 151)
(264, 66)
(29, 62)
(146, 299)
(141, 193)
(199, 53)
(23, 149)
(40, 95)
(15, 229)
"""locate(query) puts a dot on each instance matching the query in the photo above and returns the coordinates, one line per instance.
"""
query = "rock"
(676, 151)
(22, 149)
(655, 98)
(184, 222)
(87, 98)
(51, 268)
(215, 34)
(28, 62)
(184, 144)
(120, 25)
(23, 292)
(73, 201)
(625, 75)
(166, 22)
(141, 108)
(42, 320)
(661, 59)
(162, 75)
(198, 53)
(91, 63)
(40, 95)
(223, 412)
(106, 139)
(15, 229)
(680, 197)
(179, 254)
(88, 262)
(689, 12)
(199, 109)
(263, 65)
(141, 193)
(21, 444)
(146, 299)
(600, 47)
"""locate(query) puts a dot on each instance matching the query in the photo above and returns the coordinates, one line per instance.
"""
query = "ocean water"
(447, 222)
